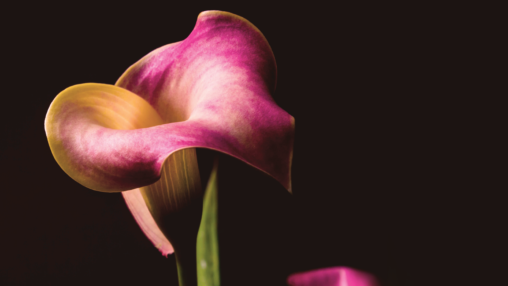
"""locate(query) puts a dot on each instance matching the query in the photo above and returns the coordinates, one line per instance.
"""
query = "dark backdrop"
(373, 176)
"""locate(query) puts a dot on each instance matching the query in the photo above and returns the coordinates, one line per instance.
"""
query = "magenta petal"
(139, 210)
(333, 276)
(216, 85)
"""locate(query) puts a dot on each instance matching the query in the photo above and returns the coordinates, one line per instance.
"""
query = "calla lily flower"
(332, 276)
(212, 90)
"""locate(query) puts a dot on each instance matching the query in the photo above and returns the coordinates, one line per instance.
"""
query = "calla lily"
(212, 90)
(332, 276)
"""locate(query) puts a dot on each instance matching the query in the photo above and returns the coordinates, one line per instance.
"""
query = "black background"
(374, 180)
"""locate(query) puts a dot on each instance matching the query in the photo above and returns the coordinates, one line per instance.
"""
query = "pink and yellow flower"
(212, 90)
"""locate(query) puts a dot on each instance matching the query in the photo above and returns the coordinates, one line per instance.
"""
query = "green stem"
(186, 265)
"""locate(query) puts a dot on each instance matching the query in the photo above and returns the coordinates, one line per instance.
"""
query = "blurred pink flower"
(333, 276)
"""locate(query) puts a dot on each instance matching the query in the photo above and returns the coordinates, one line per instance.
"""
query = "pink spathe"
(333, 276)
(212, 90)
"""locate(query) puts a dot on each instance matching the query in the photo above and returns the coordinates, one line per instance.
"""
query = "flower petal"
(143, 217)
(218, 83)
(169, 210)
(333, 276)
(79, 126)
(215, 87)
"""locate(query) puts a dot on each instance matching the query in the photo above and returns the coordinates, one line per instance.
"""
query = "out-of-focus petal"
(333, 276)
(143, 217)
(213, 90)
